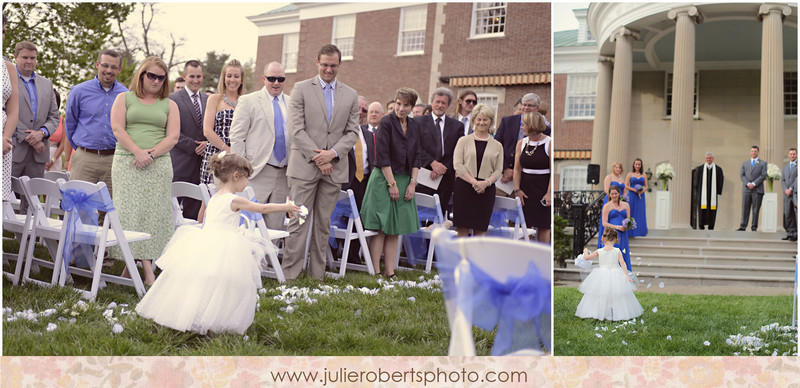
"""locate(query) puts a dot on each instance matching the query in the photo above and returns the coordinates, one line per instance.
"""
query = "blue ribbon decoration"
(252, 216)
(500, 219)
(82, 226)
(342, 213)
(519, 308)
(417, 239)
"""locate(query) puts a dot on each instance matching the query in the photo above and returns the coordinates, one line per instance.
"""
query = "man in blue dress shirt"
(88, 123)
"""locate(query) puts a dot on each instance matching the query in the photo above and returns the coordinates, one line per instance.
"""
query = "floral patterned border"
(175, 372)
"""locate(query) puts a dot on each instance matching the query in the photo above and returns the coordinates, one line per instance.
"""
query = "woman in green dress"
(146, 124)
(383, 210)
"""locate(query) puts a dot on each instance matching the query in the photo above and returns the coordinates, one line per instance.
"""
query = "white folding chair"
(110, 233)
(186, 190)
(513, 207)
(20, 225)
(260, 226)
(429, 205)
(41, 226)
(56, 175)
(348, 234)
(501, 259)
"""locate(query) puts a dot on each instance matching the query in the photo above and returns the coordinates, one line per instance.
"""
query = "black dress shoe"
(754, 229)
(741, 229)
(786, 238)
(793, 238)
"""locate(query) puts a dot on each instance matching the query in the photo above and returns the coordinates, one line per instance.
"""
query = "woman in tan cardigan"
(478, 161)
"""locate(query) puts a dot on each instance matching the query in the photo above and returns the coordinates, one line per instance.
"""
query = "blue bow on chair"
(500, 219)
(519, 307)
(82, 226)
(417, 239)
(252, 216)
(339, 218)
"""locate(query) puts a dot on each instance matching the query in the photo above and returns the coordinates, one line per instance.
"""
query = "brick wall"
(572, 134)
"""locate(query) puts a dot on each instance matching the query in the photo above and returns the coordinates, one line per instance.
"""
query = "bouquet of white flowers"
(664, 172)
(773, 174)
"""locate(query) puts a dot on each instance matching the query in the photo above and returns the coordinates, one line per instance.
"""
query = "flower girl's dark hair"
(610, 235)
(224, 164)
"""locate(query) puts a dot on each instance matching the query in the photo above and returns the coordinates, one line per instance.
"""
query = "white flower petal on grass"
(289, 309)
(706, 343)
(661, 285)
(598, 335)
(117, 328)
(412, 299)
(655, 309)
(775, 353)
(735, 353)
(669, 338)
(246, 338)
(47, 313)
(728, 341)
(604, 328)
(596, 328)
(624, 343)
(112, 305)
(51, 326)
(613, 331)
(357, 313)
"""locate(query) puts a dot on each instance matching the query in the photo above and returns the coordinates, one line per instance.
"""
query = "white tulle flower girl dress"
(607, 291)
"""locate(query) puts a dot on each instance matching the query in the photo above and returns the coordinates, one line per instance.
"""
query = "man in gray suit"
(260, 133)
(38, 115)
(324, 117)
(187, 155)
(752, 173)
(789, 183)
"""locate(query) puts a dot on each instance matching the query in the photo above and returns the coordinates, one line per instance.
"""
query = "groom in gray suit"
(324, 127)
(752, 173)
(260, 133)
(38, 115)
(789, 183)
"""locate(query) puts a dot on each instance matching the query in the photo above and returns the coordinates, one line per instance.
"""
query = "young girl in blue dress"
(210, 277)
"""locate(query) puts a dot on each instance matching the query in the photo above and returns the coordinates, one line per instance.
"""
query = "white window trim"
(400, 52)
(333, 35)
(567, 96)
(283, 53)
(667, 84)
(473, 35)
(562, 174)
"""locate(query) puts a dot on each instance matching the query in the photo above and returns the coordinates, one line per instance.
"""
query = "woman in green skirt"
(383, 209)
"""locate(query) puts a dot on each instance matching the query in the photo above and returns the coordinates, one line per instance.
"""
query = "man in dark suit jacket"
(439, 135)
(38, 115)
(510, 132)
(367, 140)
(752, 173)
(187, 155)
(707, 182)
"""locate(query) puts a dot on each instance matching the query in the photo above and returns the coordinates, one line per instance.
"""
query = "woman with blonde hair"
(614, 179)
(219, 115)
(532, 178)
(146, 124)
(467, 100)
(478, 161)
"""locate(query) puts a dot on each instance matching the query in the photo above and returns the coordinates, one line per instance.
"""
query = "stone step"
(573, 274)
(737, 260)
(724, 242)
(777, 272)
(647, 249)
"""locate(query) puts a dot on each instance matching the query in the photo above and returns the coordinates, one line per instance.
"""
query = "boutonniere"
(757, 161)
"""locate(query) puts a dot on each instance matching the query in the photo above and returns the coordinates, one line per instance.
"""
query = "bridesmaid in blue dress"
(636, 199)
(612, 180)
(613, 213)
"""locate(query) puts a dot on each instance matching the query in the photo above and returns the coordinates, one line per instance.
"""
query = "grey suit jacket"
(755, 174)
(789, 180)
(185, 163)
(253, 128)
(46, 116)
(310, 129)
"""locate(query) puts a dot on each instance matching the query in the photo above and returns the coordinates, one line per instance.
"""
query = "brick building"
(499, 50)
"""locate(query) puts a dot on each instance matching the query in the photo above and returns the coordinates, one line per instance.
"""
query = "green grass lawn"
(404, 319)
(689, 320)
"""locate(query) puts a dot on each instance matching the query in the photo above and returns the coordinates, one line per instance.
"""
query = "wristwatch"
(151, 155)
(393, 184)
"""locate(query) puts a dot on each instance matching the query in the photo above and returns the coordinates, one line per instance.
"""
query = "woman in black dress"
(478, 161)
(532, 179)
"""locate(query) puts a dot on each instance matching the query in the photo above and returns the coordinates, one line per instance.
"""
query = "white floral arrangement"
(664, 172)
(773, 174)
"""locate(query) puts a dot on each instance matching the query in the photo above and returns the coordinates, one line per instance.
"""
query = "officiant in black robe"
(704, 210)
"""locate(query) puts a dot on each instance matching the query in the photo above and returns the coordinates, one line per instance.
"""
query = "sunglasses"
(364, 111)
(273, 79)
(471, 102)
(153, 76)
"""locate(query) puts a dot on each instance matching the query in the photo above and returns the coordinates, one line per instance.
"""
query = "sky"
(208, 26)
(563, 19)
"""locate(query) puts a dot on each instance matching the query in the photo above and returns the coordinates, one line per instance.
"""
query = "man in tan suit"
(323, 126)
(260, 133)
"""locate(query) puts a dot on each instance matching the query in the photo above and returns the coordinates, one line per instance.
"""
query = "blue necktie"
(279, 150)
(752, 163)
(790, 166)
(328, 91)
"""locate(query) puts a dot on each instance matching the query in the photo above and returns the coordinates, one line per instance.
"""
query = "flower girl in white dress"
(211, 276)
(608, 290)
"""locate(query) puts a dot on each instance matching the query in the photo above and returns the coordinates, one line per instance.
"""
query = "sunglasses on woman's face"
(153, 76)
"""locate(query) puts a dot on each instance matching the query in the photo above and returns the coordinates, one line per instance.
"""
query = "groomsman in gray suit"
(324, 128)
(752, 173)
(187, 155)
(789, 183)
(260, 133)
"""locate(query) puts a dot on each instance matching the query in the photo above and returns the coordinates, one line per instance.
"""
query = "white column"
(620, 117)
(682, 113)
(771, 138)
(602, 113)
